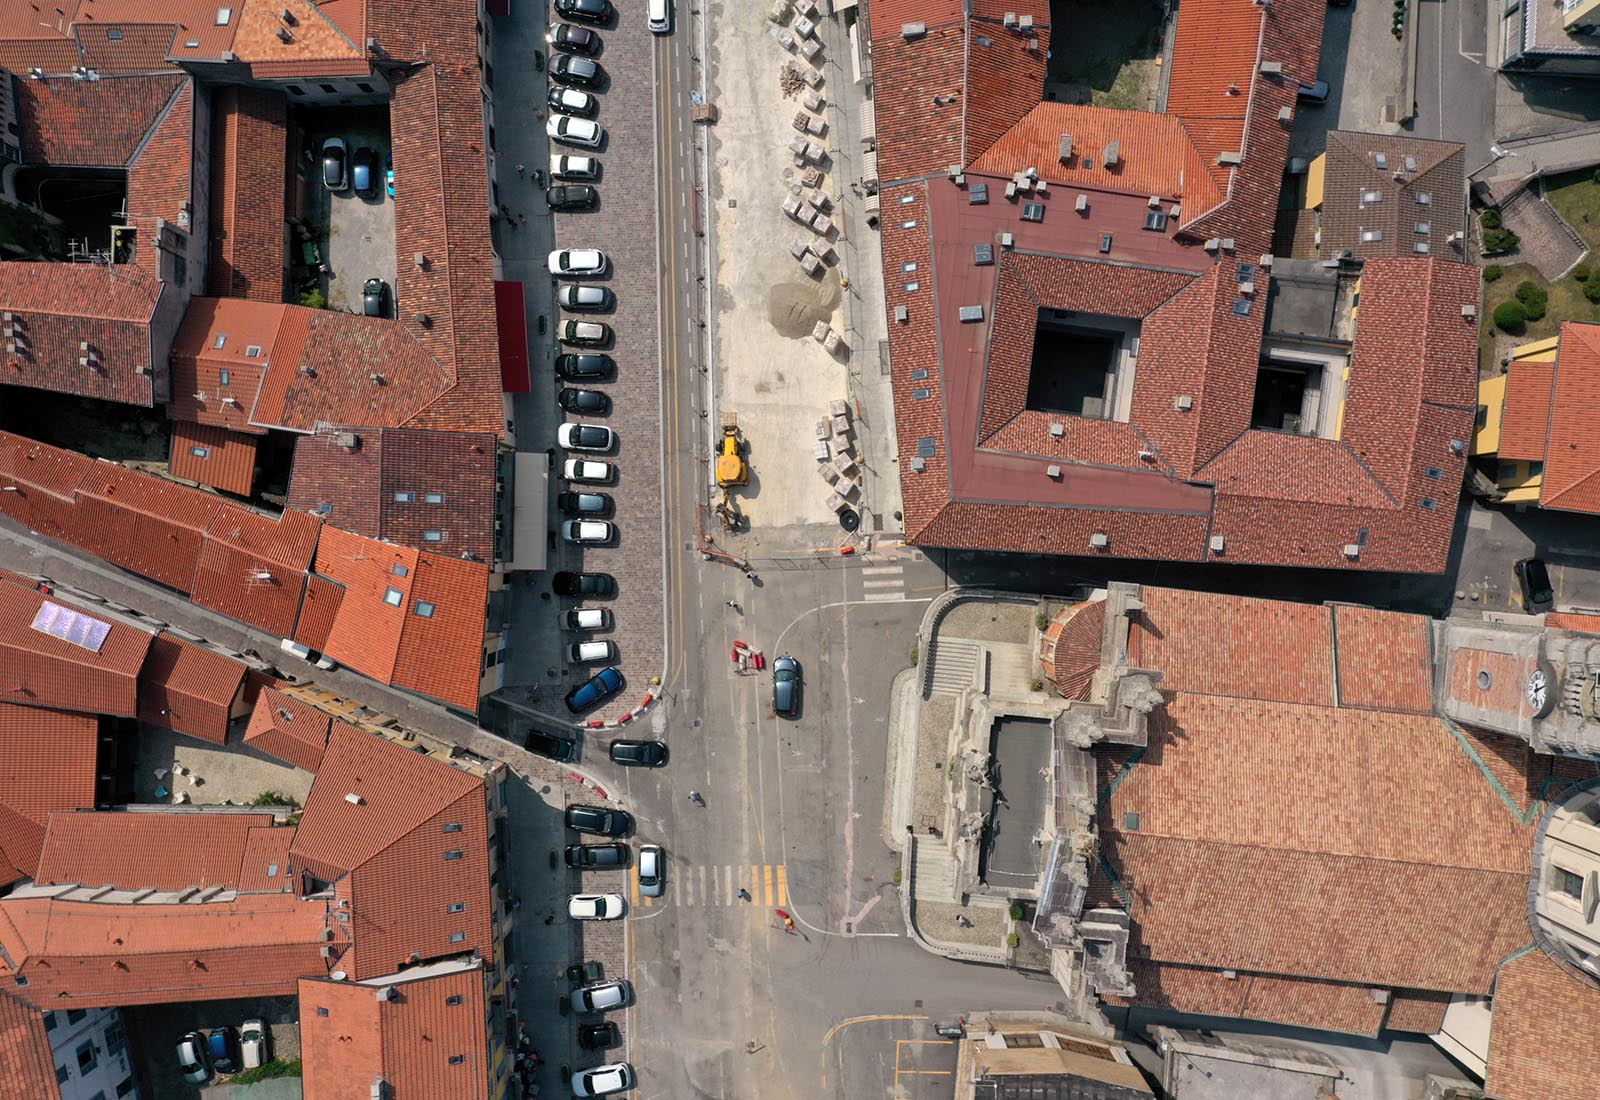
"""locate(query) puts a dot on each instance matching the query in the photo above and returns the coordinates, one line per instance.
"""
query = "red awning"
(511, 321)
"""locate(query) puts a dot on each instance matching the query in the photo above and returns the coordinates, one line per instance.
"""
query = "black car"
(577, 70)
(638, 754)
(598, 585)
(583, 504)
(564, 36)
(584, 401)
(582, 365)
(599, 821)
(1537, 595)
(548, 744)
(786, 686)
(584, 856)
(574, 196)
(375, 298)
(598, 1036)
(364, 171)
(589, 11)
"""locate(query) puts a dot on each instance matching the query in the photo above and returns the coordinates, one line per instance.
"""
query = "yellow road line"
(633, 883)
(768, 877)
(783, 884)
(842, 1024)
(925, 1072)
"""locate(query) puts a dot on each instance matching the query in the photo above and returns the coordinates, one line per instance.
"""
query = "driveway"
(360, 228)
(154, 1031)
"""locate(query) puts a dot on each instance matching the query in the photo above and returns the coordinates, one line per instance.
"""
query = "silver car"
(652, 870)
(601, 996)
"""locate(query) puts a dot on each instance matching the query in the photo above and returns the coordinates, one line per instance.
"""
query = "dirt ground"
(1114, 57)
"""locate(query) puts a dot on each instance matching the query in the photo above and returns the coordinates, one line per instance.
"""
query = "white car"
(192, 1058)
(652, 866)
(660, 12)
(590, 471)
(571, 130)
(603, 1079)
(600, 997)
(585, 437)
(595, 907)
(591, 653)
(586, 618)
(252, 1043)
(594, 532)
(574, 168)
(577, 261)
(570, 101)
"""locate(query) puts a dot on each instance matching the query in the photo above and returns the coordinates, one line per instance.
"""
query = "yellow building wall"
(1582, 13)
(1316, 174)
(1492, 400)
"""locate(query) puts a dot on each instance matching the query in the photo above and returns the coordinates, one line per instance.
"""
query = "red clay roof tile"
(189, 688)
(1385, 660)
(1249, 648)
(213, 456)
(253, 567)
(318, 611)
(96, 674)
(91, 123)
(249, 134)
(144, 523)
(1572, 455)
(289, 729)
(25, 1051)
(139, 851)
(264, 866)
(1543, 1039)
(1525, 421)
(47, 761)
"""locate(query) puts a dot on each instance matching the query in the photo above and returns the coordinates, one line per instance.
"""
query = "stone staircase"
(954, 667)
(1012, 669)
(933, 871)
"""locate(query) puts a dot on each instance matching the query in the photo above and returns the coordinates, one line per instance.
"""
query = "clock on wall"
(1541, 689)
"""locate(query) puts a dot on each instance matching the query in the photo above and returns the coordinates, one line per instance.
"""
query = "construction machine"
(731, 468)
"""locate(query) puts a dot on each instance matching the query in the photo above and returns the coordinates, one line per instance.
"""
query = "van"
(660, 16)
(583, 653)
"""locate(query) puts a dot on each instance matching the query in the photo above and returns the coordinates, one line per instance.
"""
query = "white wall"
(100, 1036)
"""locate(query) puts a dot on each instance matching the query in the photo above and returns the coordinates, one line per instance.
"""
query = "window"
(329, 89)
(323, 508)
(62, 1073)
(252, 351)
(224, 377)
(404, 496)
(1563, 881)
(453, 853)
(295, 89)
(125, 1086)
(321, 1011)
(457, 937)
(221, 341)
(200, 452)
(75, 1014)
(424, 608)
(50, 1022)
(116, 1040)
(399, 570)
(452, 826)
(22, 979)
(453, 999)
(908, 268)
(433, 498)
(457, 1059)
(365, 88)
(1483, 416)
(456, 907)
(433, 536)
(393, 596)
(87, 1057)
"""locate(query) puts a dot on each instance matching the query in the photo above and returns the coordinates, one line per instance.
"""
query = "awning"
(511, 322)
(530, 511)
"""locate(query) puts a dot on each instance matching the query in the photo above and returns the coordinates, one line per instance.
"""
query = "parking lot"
(359, 241)
(154, 1032)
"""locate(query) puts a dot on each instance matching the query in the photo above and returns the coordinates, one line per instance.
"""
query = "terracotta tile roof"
(392, 842)
(25, 1051)
(213, 456)
(1385, 660)
(20, 843)
(915, 136)
(264, 866)
(44, 670)
(1416, 1010)
(253, 567)
(316, 39)
(1071, 648)
(408, 618)
(1330, 836)
(46, 478)
(1248, 648)
(47, 762)
(152, 526)
(56, 56)
(189, 688)
(1507, 673)
(91, 123)
(140, 47)
(361, 486)
(249, 135)
(318, 611)
(146, 851)
(412, 1041)
(1525, 421)
(159, 179)
(87, 954)
(1352, 174)
(1301, 1002)
(1543, 1039)
(1573, 620)
(59, 307)
(293, 731)
(1572, 454)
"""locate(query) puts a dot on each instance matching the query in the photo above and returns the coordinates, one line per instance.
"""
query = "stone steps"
(955, 666)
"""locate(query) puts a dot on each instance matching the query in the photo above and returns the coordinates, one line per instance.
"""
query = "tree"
(1491, 272)
(1490, 218)
(1534, 299)
(1510, 317)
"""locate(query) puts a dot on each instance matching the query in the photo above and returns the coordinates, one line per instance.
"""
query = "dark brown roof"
(249, 151)
(1427, 188)
(93, 123)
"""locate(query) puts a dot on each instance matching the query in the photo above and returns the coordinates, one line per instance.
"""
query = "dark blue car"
(223, 1043)
(600, 687)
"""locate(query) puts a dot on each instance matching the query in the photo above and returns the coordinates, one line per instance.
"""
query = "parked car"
(660, 12)
(583, 504)
(591, 653)
(590, 471)
(388, 173)
(786, 686)
(335, 174)
(603, 1080)
(375, 298)
(574, 168)
(586, 618)
(589, 532)
(1313, 95)
(638, 754)
(599, 585)
(222, 1043)
(583, 298)
(595, 906)
(598, 1036)
(565, 36)
(556, 748)
(364, 171)
(253, 1044)
(585, 856)
(589, 11)
(1537, 595)
(577, 196)
(597, 820)
(584, 401)
(571, 130)
(570, 101)
(652, 870)
(192, 1058)
(570, 262)
(597, 689)
(577, 70)
(582, 366)
(601, 996)
(587, 334)
(586, 437)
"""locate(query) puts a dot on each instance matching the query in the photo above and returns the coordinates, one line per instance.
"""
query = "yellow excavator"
(732, 471)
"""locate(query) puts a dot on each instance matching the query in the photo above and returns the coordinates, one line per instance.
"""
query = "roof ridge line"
(184, 81)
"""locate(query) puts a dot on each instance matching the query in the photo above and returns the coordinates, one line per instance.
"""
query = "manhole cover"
(849, 519)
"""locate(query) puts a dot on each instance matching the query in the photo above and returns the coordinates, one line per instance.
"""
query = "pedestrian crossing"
(709, 886)
(883, 583)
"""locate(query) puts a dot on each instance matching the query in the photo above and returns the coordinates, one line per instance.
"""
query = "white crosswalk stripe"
(883, 583)
(718, 885)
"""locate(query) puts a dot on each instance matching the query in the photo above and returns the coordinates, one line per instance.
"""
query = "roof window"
(453, 999)
(451, 827)
(433, 536)
(252, 351)
(453, 853)
(323, 508)
(1423, 198)
(393, 596)
(224, 16)
(457, 1059)
(456, 907)
(200, 452)
(457, 937)
(224, 377)
(424, 609)
(221, 341)
(399, 570)
(404, 496)
(433, 498)
(321, 1011)
(114, 33)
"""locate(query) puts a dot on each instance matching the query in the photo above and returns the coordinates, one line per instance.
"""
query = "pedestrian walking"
(733, 604)
(744, 895)
(516, 982)
(516, 902)
(694, 796)
(522, 169)
(522, 219)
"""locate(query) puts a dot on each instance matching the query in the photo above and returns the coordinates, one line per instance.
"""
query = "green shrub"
(1040, 621)
(1499, 240)
(1490, 218)
(272, 798)
(1036, 684)
(1534, 299)
(1591, 290)
(1016, 910)
(1012, 940)
(1491, 272)
(1581, 273)
(915, 654)
(1510, 317)
(314, 298)
(895, 878)
(275, 1068)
